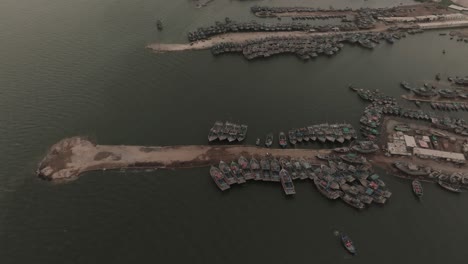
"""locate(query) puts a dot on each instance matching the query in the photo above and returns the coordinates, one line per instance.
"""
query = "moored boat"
(411, 169)
(453, 187)
(324, 189)
(236, 170)
(231, 179)
(255, 168)
(417, 188)
(282, 140)
(212, 135)
(341, 150)
(292, 137)
(243, 133)
(269, 140)
(356, 203)
(219, 179)
(287, 183)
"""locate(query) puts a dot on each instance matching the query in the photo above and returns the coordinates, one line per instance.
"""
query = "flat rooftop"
(439, 154)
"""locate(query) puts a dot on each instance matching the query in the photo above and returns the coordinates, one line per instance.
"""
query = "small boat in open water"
(159, 24)
(348, 244)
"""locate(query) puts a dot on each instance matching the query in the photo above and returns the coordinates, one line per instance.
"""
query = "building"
(398, 146)
(410, 141)
(431, 153)
(458, 8)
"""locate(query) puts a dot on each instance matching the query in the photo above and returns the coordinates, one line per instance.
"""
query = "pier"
(380, 24)
(71, 157)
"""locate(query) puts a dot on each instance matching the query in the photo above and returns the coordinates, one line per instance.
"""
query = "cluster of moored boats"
(449, 181)
(382, 105)
(227, 131)
(454, 106)
(355, 184)
(364, 18)
(317, 17)
(305, 47)
(323, 133)
(463, 81)
(229, 26)
(293, 9)
(431, 91)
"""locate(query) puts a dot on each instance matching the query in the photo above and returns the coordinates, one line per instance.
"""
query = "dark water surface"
(80, 68)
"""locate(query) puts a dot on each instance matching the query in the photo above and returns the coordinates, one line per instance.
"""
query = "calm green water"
(80, 68)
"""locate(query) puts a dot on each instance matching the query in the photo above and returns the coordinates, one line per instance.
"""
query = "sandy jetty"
(229, 37)
(71, 157)
(241, 37)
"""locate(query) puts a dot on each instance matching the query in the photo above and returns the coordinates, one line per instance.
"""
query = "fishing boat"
(275, 168)
(341, 150)
(245, 168)
(224, 133)
(305, 164)
(453, 187)
(298, 135)
(159, 24)
(235, 131)
(243, 163)
(353, 158)
(305, 134)
(255, 168)
(348, 244)
(292, 137)
(227, 172)
(269, 140)
(365, 198)
(282, 140)
(311, 131)
(219, 179)
(212, 135)
(356, 203)
(293, 169)
(265, 165)
(417, 188)
(285, 164)
(365, 147)
(324, 189)
(287, 183)
(231, 134)
(411, 169)
(243, 133)
(236, 170)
